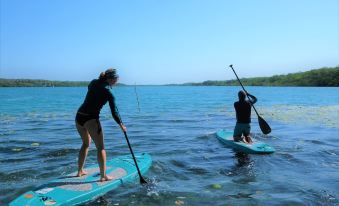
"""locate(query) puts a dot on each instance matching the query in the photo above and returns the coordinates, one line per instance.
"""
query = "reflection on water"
(298, 114)
(243, 159)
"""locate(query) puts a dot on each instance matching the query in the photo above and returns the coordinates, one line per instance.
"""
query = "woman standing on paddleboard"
(87, 119)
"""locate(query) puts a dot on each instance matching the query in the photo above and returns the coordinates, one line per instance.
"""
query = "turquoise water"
(177, 126)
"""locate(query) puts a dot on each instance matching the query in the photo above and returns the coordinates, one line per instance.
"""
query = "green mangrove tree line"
(324, 77)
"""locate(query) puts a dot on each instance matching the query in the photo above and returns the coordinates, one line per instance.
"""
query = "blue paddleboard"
(72, 190)
(256, 147)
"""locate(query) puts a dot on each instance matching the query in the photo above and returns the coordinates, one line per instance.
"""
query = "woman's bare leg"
(94, 128)
(86, 140)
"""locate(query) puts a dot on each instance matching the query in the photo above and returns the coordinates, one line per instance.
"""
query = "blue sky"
(168, 41)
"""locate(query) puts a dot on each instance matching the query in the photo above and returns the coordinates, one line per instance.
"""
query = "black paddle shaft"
(243, 89)
(265, 128)
(142, 180)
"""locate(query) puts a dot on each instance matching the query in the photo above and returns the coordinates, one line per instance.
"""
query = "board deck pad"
(256, 147)
(72, 190)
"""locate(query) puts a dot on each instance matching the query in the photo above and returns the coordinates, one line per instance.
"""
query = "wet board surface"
(256, 147)
(72, 190)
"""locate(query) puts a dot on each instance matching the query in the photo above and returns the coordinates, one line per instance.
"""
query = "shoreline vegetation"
(324, 77)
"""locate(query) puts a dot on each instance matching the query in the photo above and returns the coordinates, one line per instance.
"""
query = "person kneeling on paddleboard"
(243, 111)
(87, 119)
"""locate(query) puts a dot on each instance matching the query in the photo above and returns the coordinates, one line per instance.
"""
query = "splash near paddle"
(72, 190)
(256, 147)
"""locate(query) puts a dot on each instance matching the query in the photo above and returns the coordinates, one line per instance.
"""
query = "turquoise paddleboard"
(256, 147)
(71, 190)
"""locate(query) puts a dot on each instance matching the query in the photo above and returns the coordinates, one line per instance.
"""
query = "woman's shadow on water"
(242, 171)
(243, 159)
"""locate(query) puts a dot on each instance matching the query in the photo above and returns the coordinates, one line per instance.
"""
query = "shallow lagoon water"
(177, 126)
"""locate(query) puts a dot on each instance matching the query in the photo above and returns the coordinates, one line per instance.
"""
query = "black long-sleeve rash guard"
(243, 109)
(98, 95)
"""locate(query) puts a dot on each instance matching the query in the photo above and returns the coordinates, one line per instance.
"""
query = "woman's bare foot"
(106, 178)
(81, 173)
(248, 140)
(244, 141)
(237, 139)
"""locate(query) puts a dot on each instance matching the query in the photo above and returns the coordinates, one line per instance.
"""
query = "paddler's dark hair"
(241, 95)
(109, 74)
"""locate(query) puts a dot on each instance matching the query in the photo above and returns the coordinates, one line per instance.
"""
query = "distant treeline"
(40, 83)
(324, 77)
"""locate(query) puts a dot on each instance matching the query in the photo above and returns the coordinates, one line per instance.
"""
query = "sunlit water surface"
(177, 126)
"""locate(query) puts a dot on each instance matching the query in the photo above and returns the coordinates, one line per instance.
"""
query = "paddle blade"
(142, 180)
(265, 128)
